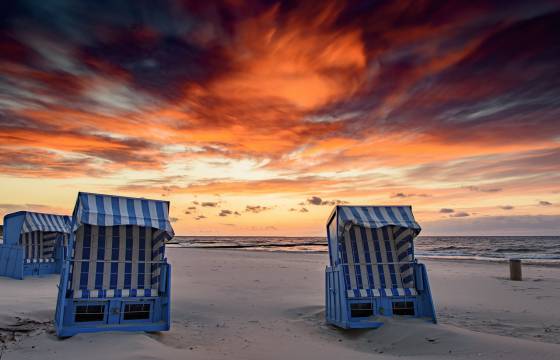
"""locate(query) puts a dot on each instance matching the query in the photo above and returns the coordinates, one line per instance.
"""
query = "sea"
(543, 250)
(538, 250)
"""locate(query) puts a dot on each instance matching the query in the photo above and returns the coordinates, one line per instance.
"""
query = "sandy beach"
(236, 304)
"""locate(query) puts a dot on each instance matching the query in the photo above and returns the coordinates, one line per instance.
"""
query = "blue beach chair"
(116, 277)
(33, 244)
(373, 272)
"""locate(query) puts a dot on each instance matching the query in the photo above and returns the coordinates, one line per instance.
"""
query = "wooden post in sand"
(515, 269)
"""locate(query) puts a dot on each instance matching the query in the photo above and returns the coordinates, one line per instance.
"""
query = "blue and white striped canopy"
(109, 210)
(377, 217)
(45, 222)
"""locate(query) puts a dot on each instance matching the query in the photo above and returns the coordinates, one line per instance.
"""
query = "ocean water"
(531, 249)
(543, 250)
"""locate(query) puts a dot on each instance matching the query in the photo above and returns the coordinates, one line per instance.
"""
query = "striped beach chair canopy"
(376, 217)
(34, 221)
(110, 210)
(375, 249)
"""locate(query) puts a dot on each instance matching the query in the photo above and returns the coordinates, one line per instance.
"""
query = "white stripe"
(108, 211)
(125, 293)
(110, 293)
(125, 217)
(139, 213)
(92, 209)
(153, 214)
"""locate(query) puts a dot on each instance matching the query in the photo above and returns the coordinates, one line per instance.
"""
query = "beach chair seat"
(33, 244)
(373, 271)
(116, 263)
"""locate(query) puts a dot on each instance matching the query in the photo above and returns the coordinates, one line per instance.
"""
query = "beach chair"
(116, 276)
(373, 272)
(33, 244)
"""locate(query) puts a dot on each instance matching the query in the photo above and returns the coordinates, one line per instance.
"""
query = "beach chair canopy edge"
(111, 210)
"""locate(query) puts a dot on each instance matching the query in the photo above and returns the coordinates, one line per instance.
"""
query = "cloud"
(315, 200)
(446, 211)
(188, 212)
(224, 213)
(191, 208)
(256, 208)
(200, 217)
(209, 204)
(506, 207)
(403, 195)
(303, 210)
(480, 189)
(460, 214)
(545, 203)
(173, 219)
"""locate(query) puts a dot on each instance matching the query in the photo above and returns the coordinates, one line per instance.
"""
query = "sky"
(257, 118)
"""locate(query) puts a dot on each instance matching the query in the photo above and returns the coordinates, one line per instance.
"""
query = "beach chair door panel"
(136, 311)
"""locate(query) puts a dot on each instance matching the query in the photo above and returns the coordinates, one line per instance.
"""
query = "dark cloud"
(209, 204)
(446, 211)
(545, 203)
(191, 208)
(292, 209)
(480, 189)
(256, 208)
(303, 210)
(200, 217)
(506, 207)
(188, 212)
(315, 200)
(460, 214)
(173, 219)
(403, 195)
(224, 213)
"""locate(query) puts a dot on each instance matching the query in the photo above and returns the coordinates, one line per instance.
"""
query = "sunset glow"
(257, 118)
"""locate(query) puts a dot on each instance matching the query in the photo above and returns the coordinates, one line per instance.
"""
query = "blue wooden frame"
(160, 310)
(12, 259)
(338, 305)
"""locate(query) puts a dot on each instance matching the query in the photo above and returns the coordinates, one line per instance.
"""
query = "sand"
(237, 304)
